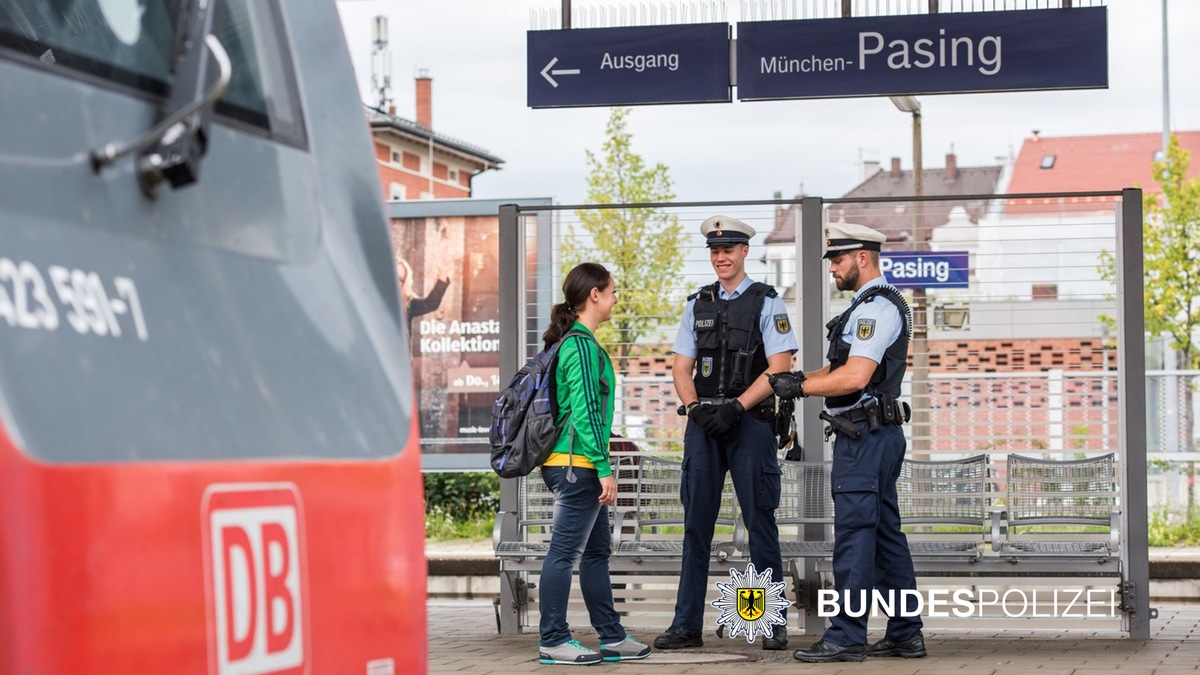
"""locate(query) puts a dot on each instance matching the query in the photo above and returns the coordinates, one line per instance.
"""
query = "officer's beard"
(848, 282)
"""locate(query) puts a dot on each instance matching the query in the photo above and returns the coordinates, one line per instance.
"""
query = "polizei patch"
(866, 328)
(782, 325)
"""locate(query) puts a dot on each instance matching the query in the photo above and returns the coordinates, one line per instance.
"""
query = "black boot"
(777, 639)
(678, 638)
(912, 648)
(827, 652)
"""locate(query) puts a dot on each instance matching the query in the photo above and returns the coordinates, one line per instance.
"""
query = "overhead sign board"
(924, 54)
(925, 269)
(628, 66)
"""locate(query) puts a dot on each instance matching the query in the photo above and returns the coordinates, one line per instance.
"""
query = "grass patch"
(441, 526)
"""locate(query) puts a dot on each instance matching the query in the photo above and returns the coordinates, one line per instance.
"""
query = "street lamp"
(920, 371)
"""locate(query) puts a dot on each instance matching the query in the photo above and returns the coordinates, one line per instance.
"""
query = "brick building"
(415, 162)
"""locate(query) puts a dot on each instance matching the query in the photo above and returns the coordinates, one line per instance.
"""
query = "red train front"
(208, 447)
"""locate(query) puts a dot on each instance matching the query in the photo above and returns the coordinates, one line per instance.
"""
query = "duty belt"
(873, 412)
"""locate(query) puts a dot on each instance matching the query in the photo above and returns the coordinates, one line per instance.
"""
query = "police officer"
(868, 348)
(732, 333)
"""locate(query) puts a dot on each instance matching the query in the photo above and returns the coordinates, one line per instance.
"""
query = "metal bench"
(1050, 502)
(941, 494)
(532, 522)
(656, 515)
(1060, 519)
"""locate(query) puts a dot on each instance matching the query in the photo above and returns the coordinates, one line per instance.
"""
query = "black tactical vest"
(729, 341)
(890, 371)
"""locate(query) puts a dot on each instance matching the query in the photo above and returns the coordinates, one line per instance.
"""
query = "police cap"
(844, 237)
(725, 231)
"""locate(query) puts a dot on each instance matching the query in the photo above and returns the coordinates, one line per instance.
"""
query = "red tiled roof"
(1086, 164)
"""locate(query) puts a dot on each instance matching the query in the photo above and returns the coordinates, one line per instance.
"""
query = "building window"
(1048, 161)
(395, 191)
(453, 174)
(395, 157)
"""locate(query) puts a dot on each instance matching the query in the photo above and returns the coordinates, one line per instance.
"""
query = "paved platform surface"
(463, 639)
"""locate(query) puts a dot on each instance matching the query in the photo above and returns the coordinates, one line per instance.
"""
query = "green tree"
(639, 245)
(1172, 266)
(1171, 261)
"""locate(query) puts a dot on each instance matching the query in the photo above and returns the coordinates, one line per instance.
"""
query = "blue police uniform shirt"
(880, 321)
(881, 324)
(774, 342)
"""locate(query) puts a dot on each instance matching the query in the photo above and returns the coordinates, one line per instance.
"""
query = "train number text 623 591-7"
(80, 299)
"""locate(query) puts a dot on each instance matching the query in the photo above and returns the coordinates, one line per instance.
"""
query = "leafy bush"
(461, 505)
(1172, 528)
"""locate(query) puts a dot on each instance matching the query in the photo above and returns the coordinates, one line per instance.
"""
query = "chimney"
(951, 166)
(895, 167)
(424, 98)
(392, 110)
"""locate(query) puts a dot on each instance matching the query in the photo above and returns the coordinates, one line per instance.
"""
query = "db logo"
(255, 572)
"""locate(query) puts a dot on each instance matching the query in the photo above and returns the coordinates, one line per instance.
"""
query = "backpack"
(523, 433)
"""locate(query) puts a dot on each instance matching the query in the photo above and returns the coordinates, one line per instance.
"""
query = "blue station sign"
(925, 269)
(628, 66)
(924, 54)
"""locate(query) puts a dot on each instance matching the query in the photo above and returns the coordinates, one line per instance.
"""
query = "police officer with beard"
(868, 348)
(732, 333)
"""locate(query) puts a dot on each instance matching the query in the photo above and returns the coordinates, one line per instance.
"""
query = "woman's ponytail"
(576, 288)
(562, 317)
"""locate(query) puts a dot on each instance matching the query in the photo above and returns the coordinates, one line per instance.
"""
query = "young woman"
(579, 474)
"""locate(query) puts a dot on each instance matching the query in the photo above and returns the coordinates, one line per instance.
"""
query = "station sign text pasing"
(924, 54)
(628, 66)
(924, 269)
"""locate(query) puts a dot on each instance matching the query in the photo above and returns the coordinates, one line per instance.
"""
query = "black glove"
(720, 420)
(787, 385)
(701, 415)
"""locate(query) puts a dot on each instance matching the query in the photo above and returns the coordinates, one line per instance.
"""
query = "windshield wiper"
(173, 148)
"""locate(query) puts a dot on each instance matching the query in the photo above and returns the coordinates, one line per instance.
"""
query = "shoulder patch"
(865, 329)
(782, 325)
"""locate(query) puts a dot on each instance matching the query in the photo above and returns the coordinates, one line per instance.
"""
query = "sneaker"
(625, 650)
(679, 638)
(569, 653)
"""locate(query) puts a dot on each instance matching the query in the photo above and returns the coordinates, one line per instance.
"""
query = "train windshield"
(132, 44)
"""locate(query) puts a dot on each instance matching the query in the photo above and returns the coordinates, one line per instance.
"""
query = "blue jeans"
(580, 530)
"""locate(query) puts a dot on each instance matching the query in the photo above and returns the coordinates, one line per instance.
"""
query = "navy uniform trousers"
(869, 550)
(749, 455)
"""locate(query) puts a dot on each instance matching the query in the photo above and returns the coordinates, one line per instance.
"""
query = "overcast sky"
(475, 52)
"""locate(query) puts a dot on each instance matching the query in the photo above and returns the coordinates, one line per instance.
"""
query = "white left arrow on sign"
(546, 72)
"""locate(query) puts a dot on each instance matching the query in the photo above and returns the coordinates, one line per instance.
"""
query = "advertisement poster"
(448, 270)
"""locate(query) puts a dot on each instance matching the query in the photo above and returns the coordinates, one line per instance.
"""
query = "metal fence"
(1040, 352)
